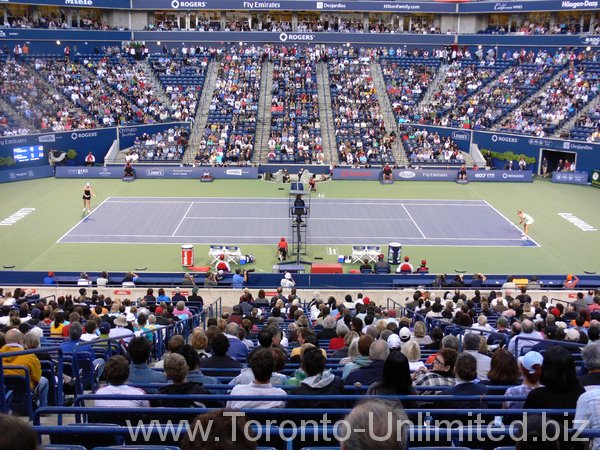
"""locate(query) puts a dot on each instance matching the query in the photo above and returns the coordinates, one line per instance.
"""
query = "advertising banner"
(434, 175)
(570, 177)
(166, 172)
(15, 174)
(290, 38)
(301, 5)
(112, 4)
(127, 135)
(97, 141)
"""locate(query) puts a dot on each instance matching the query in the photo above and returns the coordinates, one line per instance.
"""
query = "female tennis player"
(87, 196)
(526, 220)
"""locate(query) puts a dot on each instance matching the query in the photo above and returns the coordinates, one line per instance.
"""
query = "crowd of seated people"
(554, 105)
(360, 131)
(170, 25)
(587, 127)
(168, 145)
(115, 91)
(538, 354)
(130, 79)
(423, 147)
(36, 101)
(9, 127)
(295, 124)
(407, 82)
(229, 134)
(54, 22)
(462, 79)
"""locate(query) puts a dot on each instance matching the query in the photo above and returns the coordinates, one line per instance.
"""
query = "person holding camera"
(239, 279)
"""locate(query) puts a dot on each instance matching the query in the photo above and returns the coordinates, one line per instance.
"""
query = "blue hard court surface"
(164, 220)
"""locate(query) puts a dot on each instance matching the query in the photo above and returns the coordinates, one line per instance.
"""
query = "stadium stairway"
(503, 120)
(263, 119)
(569, 124)
(156, 85)
(14, 115)
(325, 114)
(388, 113)
(201, 113)
(433, 86)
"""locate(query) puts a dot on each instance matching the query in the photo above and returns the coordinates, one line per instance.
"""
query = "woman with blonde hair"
(200, 342)
(412, 352)
(420, 334)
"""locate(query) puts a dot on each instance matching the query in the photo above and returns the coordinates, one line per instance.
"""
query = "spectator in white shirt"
(262, 364)
(120, 331)
(117, 372)
(287, 282)
(90, 331)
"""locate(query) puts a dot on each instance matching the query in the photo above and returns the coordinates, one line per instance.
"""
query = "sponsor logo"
(128, 131)
(325, 5)
(576, 146)
(47, 138)
(83, 135)
(460, 136)
(596, 176)
(575, 5)
(507, 7)
(122, 292)
(261, 5)
(234, 172)
(182, 4)
(484, 175)
(10, 141)
(182, 172)
(104, 172)
(79, 2)
(594, 40)
(155, 173)
(581, 224)
(283, 37)
(401, 6)
(2, 34)
(512, 140)
(356, 173)
(12, 176)
(406, 174)
(15, 217)
(513, 176)
(78, 171)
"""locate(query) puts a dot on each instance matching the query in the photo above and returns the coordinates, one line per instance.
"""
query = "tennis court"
(203, 220)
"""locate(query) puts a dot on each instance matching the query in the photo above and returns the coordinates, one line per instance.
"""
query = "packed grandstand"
(212, 360)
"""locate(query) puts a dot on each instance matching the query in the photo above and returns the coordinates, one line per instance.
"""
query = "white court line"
(312, 238)
(270, 219)
(81, 221)
(413, 220)
(217, 199)
(237, 200)
(511, 222)
(182, 219)
(320, 244)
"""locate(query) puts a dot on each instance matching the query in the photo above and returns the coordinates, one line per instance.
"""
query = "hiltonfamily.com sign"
(435, 175)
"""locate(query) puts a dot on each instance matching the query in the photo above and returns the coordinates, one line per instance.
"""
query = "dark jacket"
(366, 375)
(335, 387)
(327, 334)
(176, 389)
(220, 362)
(465, 389)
